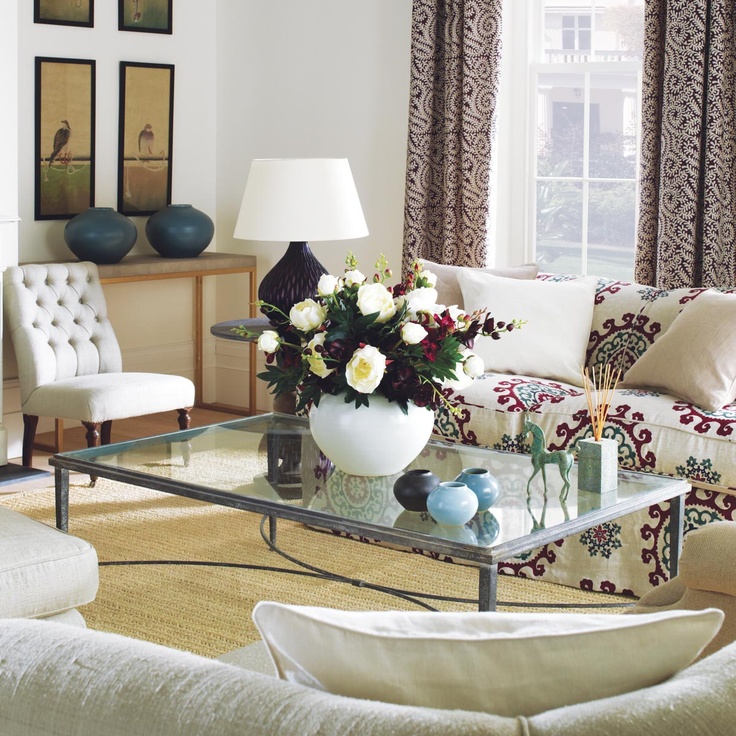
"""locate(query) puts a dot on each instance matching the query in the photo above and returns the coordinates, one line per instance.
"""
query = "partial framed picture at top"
(64, 12)
(65, 137)
(145, 16)
(145, 137)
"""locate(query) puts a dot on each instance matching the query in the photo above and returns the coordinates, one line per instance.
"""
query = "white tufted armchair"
(69, 361)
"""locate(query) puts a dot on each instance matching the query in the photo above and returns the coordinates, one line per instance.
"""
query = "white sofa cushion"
(552, 343)
(43, 571)
(501, 663)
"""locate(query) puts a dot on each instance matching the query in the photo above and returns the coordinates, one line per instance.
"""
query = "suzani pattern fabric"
(687, 212)
(655, 433)
(455, 54)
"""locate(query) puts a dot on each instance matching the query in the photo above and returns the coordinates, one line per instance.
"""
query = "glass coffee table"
(270, 465)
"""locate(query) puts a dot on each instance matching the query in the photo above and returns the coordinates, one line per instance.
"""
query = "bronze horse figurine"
(541, 456)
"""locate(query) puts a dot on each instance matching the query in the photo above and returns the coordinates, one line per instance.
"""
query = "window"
(582, 73)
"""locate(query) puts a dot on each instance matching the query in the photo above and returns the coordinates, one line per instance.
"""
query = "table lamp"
(298, 200)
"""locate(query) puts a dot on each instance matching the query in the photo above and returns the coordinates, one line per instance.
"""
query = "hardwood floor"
(122, 430)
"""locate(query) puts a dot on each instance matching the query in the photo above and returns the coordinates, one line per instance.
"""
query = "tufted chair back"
(58, 322)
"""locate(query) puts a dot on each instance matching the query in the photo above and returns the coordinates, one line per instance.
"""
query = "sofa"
(656, 431)
(67, 681)
(44, 573)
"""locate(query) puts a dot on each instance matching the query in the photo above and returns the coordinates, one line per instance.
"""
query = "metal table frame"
(487, 558)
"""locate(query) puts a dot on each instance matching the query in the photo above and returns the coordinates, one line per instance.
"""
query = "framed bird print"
(145, 139)
(64, 12)
(64, 137)
(145, 16)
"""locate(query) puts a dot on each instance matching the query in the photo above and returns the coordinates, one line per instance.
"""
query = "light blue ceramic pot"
(452, 503)
(483, 484)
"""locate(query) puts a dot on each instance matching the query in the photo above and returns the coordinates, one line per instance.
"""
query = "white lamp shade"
(300, 199)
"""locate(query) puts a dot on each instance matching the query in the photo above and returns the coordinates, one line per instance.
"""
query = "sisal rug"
(206, 608)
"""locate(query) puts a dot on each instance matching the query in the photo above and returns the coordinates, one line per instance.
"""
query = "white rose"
(413, 333)
(327, 284)
(473, 365)
(429, 277)
(269, 341)
(307, 315)
(315, 359)
(421, 300)
(353, 278)
(365, 369)
(374, 298)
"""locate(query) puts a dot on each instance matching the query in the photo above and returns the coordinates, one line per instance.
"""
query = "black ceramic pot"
(101, 235)
(179, 231)
(413, 487)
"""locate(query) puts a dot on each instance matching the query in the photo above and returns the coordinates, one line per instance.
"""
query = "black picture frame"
(145, 137)
(64, 131)
(145, 16)
(65, 12)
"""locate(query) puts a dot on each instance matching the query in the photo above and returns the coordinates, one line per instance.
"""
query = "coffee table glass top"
(270, 463)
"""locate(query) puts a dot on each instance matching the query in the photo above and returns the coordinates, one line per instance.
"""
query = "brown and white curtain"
(455, 58)
(687, 213)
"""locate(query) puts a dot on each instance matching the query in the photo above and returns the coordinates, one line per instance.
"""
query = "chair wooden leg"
(30, 423)
(93, 433)
(184, 417)
(106, 432)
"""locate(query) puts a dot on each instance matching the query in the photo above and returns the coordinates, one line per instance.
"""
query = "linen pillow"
(502, 663)
(553, 342)
(448, 289)
(695, 358)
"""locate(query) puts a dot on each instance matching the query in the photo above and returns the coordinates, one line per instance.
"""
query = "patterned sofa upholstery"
(655, 432)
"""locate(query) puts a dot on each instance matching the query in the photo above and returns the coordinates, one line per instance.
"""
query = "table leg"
(487, 588)
(272, 529)
(61, 488)
(677, 518)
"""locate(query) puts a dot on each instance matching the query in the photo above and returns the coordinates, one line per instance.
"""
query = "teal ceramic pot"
(179, 231)
(483, 484)
(101, 235)
(452, 503)
(413, 487)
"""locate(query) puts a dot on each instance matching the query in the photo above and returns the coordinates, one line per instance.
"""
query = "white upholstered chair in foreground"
(69, 361)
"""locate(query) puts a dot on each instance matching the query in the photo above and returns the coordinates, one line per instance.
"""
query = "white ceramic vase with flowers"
(371, 362)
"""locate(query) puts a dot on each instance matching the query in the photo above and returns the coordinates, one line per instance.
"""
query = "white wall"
(327, 78)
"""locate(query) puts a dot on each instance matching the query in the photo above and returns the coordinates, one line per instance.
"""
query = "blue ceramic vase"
(101, 235)
(483, 484)
(413, 487)
(179, 231)
(452, 503)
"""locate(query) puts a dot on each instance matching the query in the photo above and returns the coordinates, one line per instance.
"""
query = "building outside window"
(582, 74)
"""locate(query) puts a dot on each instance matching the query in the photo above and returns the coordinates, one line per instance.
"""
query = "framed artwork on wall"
(64, 137)
(145, 16)
(64, 12)
(145, 137)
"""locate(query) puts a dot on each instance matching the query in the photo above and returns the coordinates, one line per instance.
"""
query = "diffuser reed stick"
(598, 393)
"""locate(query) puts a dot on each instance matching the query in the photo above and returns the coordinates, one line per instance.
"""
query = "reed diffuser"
(598, 456)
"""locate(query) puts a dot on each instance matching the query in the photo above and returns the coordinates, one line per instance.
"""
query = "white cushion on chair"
(43, 571)
(109, 396)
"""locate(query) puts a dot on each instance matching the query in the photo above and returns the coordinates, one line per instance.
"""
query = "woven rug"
(206, 609)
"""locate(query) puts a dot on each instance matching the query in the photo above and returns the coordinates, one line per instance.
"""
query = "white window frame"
(512, 224)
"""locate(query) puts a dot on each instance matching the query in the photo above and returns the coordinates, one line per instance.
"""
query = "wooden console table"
(155, 268)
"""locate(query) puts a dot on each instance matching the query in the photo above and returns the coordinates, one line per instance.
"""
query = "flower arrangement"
(361, 338)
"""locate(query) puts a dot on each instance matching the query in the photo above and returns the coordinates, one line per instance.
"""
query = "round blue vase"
(413, 487)
(101, 235)
(179, 231)
(452, 503)
(483, 484)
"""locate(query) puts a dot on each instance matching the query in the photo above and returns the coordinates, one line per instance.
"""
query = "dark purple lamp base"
(293, 279)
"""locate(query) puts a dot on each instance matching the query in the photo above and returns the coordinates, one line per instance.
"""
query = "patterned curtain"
(455, 55)
(687, 212)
